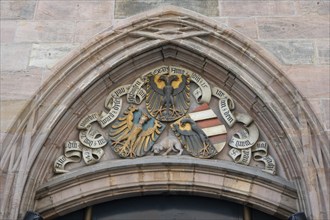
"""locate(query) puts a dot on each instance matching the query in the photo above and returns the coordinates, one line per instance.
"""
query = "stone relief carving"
(134, 132)
(171, 143)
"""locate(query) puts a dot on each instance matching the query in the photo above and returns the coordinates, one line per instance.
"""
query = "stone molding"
(159, 175)
(221, 54)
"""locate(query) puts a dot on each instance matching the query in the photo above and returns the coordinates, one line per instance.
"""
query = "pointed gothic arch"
(117, 55)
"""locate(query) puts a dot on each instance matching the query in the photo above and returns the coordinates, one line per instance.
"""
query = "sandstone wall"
(35, 35)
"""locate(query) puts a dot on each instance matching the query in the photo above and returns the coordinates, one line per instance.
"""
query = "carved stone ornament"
(192, 125)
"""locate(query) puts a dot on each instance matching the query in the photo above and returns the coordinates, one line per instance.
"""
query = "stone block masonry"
(36, 34)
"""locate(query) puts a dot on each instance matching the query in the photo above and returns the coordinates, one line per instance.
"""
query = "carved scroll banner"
(136, 94)
(248, 136)
(241, 154)
(243, 140)
(161, 70)
(73, 152)
(226, 105)
(114, 104)
(92, 156)
(92, 138)
(203, 93)
(260, 153)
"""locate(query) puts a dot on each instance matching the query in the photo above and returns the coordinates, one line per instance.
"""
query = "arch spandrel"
(122, 53)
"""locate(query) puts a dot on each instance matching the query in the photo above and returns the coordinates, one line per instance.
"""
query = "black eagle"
(193, 138)
(168, 96)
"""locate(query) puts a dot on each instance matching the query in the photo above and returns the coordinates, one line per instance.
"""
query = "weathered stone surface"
(293, 27)
(256, 8)
(17, 9)
(312, 7)
(300, 75)
(220, 20)
(8, 29)
(86, 29)
(162, 174)
(45, 31)
(14, 56)
(52, 10)
(9, 111)
(325, 105)
(125, 8)
(71, 10)
(246, 26)
(20, 85)
(47, 55)
(323, 51)
(291, 52)
(100, 10)
(317, 91)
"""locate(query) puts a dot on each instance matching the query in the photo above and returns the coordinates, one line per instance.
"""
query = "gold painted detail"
(193, 138)
(168, 96)
(175, 98)
(134, 133)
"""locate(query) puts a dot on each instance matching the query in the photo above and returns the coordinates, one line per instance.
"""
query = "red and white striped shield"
(209, 122)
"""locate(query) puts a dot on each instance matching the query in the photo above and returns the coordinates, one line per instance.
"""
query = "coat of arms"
(167, 109)
(134, 133)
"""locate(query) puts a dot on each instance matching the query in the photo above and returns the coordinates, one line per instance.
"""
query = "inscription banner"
(73, 152)
(203, 93)
(136, 94)
(114, 103)
(260, 150)
(92, 138)
(241, 156)
(226, 105)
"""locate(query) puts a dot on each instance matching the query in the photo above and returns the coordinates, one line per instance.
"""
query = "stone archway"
(117, 55)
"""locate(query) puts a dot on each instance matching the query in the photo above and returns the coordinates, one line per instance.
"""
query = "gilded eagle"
(168, 96)
(134, 133)
(193, 138)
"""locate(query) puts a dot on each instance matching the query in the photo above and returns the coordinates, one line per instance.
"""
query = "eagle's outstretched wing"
(155, 94)
(123, 125)
(148, 136)
(181, 93)
(156, 84)
(181, 84)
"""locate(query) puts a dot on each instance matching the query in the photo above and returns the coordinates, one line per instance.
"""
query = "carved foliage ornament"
(177, 101)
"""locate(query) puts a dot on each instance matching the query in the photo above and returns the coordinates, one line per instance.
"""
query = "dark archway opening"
(178, 207)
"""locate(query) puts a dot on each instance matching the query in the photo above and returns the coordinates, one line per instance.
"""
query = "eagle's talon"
(205, 151)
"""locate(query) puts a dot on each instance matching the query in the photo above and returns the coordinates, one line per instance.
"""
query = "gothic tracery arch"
(115, 56)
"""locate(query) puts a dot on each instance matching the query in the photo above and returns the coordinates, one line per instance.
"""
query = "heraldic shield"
(168, 96)
(134, 133)
(201, 132)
